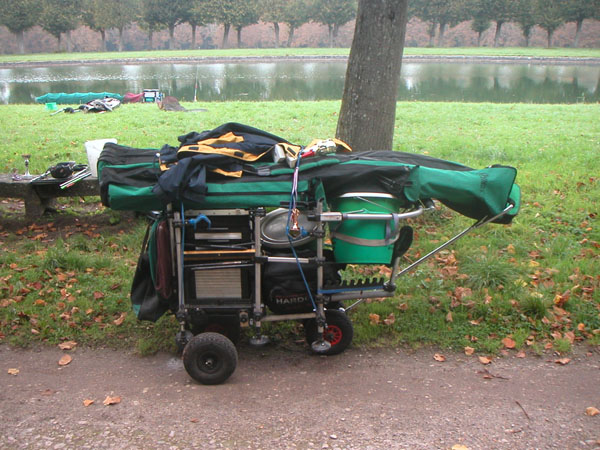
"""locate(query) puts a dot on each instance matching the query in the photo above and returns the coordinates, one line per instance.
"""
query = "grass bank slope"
(297, 52)
(530, 285)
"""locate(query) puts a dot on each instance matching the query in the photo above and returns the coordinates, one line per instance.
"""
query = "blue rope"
(293, 196)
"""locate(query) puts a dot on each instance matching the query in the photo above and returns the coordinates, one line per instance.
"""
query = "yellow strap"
(231, 152)
(236, 174)
(225, 139)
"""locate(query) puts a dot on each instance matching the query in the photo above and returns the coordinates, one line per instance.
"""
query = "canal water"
(427, 81)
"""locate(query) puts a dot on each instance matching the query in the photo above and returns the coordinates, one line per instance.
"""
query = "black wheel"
(339, 331)
(210, 358)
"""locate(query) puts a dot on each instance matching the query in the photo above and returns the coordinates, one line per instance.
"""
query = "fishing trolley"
(251, 232)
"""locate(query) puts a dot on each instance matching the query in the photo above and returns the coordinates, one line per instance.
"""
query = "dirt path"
(379, 399)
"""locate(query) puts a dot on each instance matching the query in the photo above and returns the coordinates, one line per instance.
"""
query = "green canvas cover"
(489, 190)
(130, 179)
(75, 98)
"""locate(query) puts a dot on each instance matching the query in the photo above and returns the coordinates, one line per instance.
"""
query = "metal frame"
(256, 309)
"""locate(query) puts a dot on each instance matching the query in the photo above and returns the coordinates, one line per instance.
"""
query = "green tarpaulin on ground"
(75, 98)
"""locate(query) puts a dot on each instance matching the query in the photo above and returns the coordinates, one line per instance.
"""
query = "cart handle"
(333, 216)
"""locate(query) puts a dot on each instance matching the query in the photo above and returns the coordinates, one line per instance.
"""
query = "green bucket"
(365, 241)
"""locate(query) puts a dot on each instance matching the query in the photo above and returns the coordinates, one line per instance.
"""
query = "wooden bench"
(39, 195)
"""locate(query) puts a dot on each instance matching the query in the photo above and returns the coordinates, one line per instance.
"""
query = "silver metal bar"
(277, 317)
(343, 296)
(257, 268)
(320, 299)
(355, 304)
(179, 265)
(80, 176)
(338, 217)
(477, 224)
(287, 259)
(219, 212)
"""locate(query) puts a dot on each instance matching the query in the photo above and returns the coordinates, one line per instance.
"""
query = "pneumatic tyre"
(210, 358)
(339, 331)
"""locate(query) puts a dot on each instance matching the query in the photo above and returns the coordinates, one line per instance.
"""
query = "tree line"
(60, 17)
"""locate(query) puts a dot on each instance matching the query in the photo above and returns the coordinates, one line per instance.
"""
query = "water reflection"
(309, 81)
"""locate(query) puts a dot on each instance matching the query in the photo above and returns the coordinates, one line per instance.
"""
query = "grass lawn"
(531, 285)
(301, 52)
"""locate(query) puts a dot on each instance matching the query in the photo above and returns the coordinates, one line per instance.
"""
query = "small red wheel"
(338, 332)
(333, 334)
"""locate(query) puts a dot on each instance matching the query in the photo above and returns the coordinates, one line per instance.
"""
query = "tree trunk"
(150, 37)
(171, 36)
(330, 28)
(120, 43)
(578, 33)
(550, 34)
(290, 36)
(368, 111)
(193, 37)
(226, 28)
(239, 36)
(103, 39)
(336, 30)
(276, 29)
(431, 32)
(69, 41)
(497, 35)
(20, 41)
(441, 36)
(479, 34)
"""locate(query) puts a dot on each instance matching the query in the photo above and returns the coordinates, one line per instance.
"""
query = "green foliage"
(19, 15)
(549, 16)
(523, 14)
(60, 16)
(333, 13)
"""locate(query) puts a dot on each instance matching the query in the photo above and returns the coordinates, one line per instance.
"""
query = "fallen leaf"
(66, 359)
(98, 295)
(570, 336)
(469, 351)
(120, 319)
(460, 447)
(13, 371)
(374, 319)
(111, 400)
(485, 359)
(563, 361)
(509, 343)
(88, 402)
(439, 357)
(68, 345)
(521, 354)
(389, 320)
(449, 317)
(591, 411)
